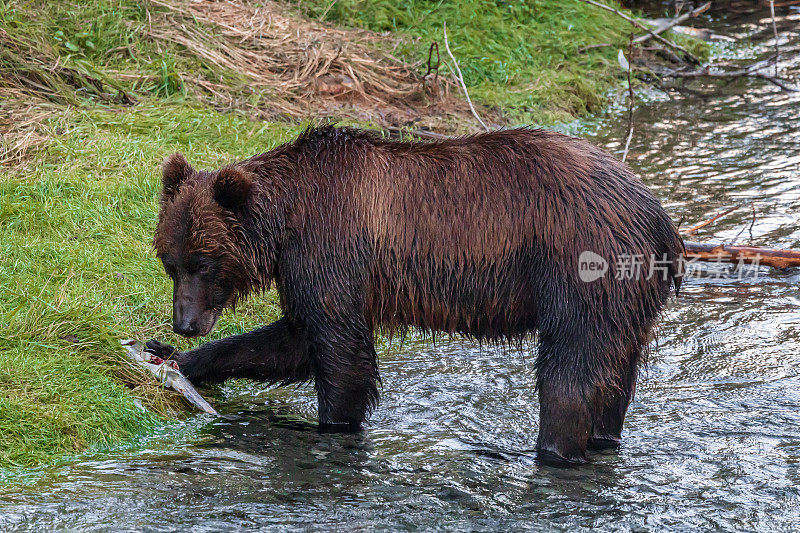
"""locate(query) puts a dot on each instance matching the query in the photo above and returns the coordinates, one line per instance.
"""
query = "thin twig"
(711, 220)
(693, 58)
(775, 31)
(752, 67)
(674, 22)
(631, 103)
(752, 223)
(461, 79)
(434, 45)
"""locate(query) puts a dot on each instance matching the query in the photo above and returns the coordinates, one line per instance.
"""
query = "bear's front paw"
(162, 351)
(188, 363)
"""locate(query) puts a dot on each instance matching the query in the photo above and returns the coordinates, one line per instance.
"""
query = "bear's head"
(200, 240)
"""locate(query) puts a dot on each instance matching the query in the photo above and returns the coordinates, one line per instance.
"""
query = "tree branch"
(751, 255)
(674, 22)
(744, 73)
(693, 58)
(775, 31)
(710, 221)
(461, 79)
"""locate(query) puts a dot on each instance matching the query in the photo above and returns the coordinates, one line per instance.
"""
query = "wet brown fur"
(478, 235)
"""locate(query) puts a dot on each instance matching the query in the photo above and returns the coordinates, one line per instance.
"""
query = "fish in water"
(167, 373)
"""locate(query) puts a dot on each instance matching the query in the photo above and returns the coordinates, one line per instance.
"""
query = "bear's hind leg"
(564, 421)
(610, 413)
(571, 368)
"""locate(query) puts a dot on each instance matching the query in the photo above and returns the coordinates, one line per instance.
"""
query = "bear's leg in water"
(345, 373)
(565, 422)
(325, 297)
(610, 414)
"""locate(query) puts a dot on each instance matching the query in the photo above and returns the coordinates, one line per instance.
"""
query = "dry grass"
(34, 86)
(35, 68)
(29, 74)
(309, 68)
(258, 58)
(22, 129)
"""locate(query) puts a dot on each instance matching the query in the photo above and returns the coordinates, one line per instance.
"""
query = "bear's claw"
(162, 351)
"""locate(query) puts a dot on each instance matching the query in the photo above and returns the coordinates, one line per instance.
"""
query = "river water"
(712, 440)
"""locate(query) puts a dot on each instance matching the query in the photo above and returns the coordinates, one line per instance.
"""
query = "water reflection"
(712, 440)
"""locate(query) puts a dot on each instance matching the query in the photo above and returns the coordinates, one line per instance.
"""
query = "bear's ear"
(174, 170)
(232, 188)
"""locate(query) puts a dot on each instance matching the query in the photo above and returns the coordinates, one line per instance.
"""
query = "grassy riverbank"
(79, 274)
(94, 96)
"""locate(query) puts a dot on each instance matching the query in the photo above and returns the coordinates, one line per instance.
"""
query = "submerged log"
(751, 255)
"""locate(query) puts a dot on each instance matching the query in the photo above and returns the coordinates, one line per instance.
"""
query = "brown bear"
(485, 236)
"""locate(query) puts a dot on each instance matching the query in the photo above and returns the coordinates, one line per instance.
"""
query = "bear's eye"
(198, 265)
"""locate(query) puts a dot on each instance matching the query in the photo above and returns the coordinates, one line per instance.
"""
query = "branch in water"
(744, 73)
(775, 31)
(751, 255)
(711, 220)
(733, 253)
(631, 98)
(672, 23)
(693, 58)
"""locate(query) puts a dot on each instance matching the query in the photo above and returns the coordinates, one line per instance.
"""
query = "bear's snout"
(194, 327)
(189, 320)
(186, 328)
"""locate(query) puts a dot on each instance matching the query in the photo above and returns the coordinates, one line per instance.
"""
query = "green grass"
(521, 57)
(79, 274)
